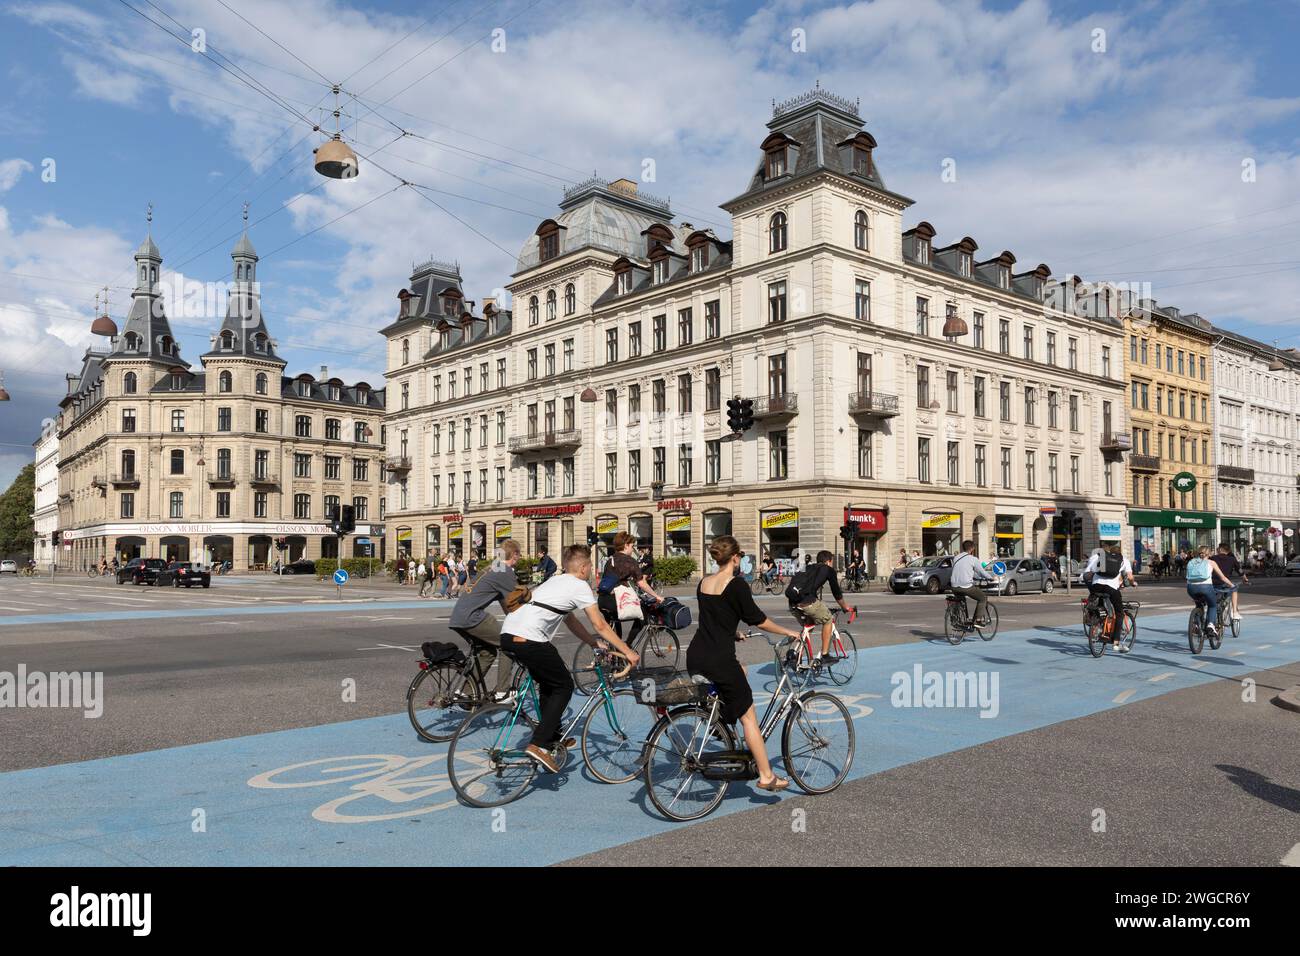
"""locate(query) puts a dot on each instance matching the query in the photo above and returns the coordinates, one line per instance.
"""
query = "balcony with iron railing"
(1138, 462)
(1235, 474)
(129, 480)
(222, 478)
(1116, 442)
(398, 463)
(776, 406)
(546, 441)
(875, 404)
(262, 478)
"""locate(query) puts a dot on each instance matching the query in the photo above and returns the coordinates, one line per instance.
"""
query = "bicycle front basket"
(682, 689)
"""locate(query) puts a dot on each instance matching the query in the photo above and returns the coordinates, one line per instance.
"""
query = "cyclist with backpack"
(1201, 575)
(528, 632)
(471, 620)
(622, 570)
(804, 595)
(1108, 570)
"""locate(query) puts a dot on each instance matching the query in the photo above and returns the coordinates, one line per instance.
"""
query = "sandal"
(776, 786)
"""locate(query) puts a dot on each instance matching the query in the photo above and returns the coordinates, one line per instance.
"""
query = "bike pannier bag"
(674, 614)
(435, 652)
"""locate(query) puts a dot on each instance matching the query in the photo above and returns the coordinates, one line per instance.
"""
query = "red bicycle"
(840, 663)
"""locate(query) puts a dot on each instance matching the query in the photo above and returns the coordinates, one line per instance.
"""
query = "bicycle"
(454, 685)
(28, 572)
(1096, 610)
(692, 755)
(1196, 629)
(657, 644)
(859, 583)
(957, 622)
(767, 583)
(840, 664)
(487, 762)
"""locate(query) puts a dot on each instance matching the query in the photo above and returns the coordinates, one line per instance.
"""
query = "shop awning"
(1256, 524)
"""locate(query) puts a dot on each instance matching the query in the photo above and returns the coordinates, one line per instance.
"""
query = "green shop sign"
(1173, 519)
(1251, 523)
(1184, 482)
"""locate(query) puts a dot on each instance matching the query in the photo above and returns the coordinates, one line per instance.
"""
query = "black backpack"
(800, 590)
(1111, 566)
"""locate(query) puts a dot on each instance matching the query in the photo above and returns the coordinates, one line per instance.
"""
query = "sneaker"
(1210, 628)
(503, 697)
(544, 758)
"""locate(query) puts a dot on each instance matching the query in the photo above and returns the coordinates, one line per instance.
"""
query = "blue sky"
(1124, 163)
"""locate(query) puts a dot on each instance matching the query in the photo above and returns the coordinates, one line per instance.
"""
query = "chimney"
(324, 373)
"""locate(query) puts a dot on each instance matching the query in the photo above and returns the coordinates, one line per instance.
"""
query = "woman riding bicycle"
(622, 569)
(1202, 573)
(724, 602)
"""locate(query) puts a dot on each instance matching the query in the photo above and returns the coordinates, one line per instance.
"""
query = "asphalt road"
(1193, 775)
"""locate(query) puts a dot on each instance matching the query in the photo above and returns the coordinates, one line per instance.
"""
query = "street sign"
(1108, 530)
(999, 567)
(340, 577)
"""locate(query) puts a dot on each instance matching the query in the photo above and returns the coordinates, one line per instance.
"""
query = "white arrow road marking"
(1236, 653)
(370, 617)
(1163, 676)
(1286, 640)
(1264, 647)
(1199, 664)
(1124, 695)
(1293, 856)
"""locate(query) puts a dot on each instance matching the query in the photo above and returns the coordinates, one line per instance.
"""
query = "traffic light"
(733, 415)
(281, 544)
(347, 519)
(54, 539)
(746, 414)
(591, 536)
(332, 516)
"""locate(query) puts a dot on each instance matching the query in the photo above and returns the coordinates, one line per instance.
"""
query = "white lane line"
(1236, 653)
(1124, 695)
(1286, 640)
(6, 607)
(1292, 857)
(1164, 676)
(371, 618)
(388, 647)
(1199, 664)
(1264, 647)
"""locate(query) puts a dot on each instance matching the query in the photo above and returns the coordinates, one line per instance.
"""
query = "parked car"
(930, 575)
(184, 575)
(8, 567)
(301, 566)
(1022, 574)
(140, 570)
(1293, 566)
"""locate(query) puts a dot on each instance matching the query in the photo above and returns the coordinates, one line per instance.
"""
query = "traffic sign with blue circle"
(999, 567)
(340, 576)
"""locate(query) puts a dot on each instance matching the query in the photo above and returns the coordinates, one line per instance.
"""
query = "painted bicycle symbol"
(376, 781)
(853, 702)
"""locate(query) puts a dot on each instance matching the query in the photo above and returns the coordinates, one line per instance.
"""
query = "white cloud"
(101, 83)
(11, 170)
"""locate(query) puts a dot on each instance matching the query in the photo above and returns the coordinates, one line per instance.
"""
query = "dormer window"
(776, 233)
(363, 394)
(1004, 277)
(661, 270)
(335, 393)
(227, 340)
(624, 280)
(775, 162)
(923, 251)
(166, 345)
(700, 257)
(132, 342)
(177, 381)
(658, 234)
(964, 264)
(548, 240)
(861, 159)
(304, 388)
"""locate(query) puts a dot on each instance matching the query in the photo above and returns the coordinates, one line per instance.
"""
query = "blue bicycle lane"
(369, 792)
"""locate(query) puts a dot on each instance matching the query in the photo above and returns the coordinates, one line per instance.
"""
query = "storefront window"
(500, 531)
(677, 532)
(432, 540)
(456, 538)
(779, 537)
(642, 527)
(539, 535)
(1009, 536)
(716, 523)
(940, 534)
(478, 539)
(606, 528)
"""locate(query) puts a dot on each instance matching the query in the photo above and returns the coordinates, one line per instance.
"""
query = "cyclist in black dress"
(724, 601)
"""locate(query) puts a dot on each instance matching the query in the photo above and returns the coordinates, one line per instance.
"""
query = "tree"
(16, 507)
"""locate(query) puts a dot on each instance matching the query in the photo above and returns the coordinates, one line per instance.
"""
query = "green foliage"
(524, 568)
(674, 569)
(16, 507)
(355, 567)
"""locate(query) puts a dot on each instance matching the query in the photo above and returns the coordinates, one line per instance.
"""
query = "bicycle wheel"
(1236, 627)
(672, 774)
(1096, 635)
(438, 700)
(614, 736)
(817, 742)
(843, 661)
(583, 668)
(756, 585)
(486, 763)
(1216, 636)
(659, 647)
(1195, 631)
(954, 624)
(990, 630)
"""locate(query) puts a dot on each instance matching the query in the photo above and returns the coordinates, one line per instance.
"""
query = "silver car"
(1022, 574)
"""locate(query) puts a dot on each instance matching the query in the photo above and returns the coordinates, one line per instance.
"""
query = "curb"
(1289, 699)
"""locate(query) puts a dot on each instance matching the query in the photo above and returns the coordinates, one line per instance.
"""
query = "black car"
(184, 575)
(141, 571)
(301, 566)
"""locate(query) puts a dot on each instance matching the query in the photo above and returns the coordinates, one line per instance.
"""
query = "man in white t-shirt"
(527, 635)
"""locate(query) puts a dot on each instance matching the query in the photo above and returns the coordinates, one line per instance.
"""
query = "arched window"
(128, 383)
(153, 275)
(227, 340)
(166, 345)
(860, 231)
(532, 311)
(224, 382)
(406, 351)
(776, 233)
(550, 305)
(261, 383)
(132, 342)
(259, 342)
(570, 299)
